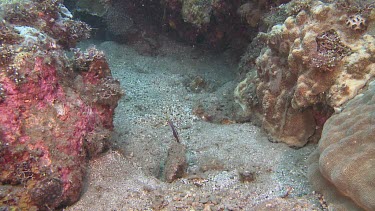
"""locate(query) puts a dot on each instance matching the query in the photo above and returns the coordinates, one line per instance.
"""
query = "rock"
(175, 166)
(247, 176)
(53, 115)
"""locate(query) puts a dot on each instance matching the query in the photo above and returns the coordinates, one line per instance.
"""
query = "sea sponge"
(344, 159)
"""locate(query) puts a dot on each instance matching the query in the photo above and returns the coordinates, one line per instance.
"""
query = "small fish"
(174, 131)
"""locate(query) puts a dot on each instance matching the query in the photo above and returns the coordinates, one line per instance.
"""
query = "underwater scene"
(213, 105)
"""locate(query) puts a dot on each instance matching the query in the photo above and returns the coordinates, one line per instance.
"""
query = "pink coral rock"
(53, 116)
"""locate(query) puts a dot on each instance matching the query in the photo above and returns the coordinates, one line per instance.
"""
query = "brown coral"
(311, 59)
(346, 153)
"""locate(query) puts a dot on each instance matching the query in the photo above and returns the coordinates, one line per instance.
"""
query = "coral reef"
(55, 111)
(342, 167)
(209, 23)
(216, 23)
(213, 24)
(310, 66)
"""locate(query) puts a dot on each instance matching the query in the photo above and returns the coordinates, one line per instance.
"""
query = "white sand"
(127, 179)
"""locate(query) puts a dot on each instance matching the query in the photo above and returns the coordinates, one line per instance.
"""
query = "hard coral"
(311, 59)
(356, 23)
(342, 167)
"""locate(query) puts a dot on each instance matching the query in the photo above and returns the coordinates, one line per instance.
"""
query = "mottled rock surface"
(55, 111)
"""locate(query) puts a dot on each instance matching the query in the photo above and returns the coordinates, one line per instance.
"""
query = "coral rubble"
(318, 59)
(55, 111)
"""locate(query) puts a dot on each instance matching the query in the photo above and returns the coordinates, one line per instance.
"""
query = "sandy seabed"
(218, 154)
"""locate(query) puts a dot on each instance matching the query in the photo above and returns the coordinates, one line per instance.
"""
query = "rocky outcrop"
(56, 111)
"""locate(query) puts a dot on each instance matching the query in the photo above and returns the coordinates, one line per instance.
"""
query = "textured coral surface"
(346, 154)
(55, 111)
(312, 64)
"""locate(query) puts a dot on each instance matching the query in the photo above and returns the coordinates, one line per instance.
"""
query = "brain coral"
(345, 157)
(311, 65)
